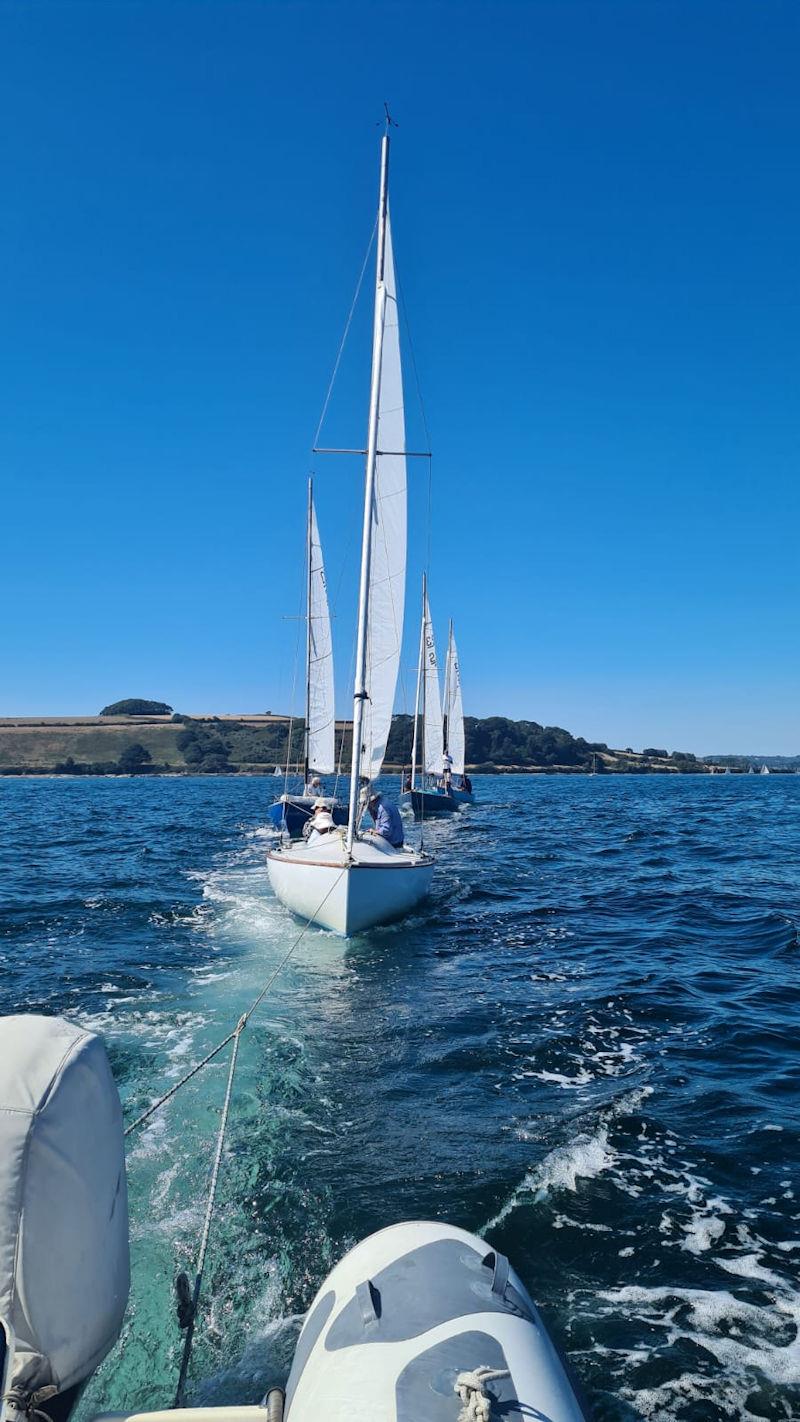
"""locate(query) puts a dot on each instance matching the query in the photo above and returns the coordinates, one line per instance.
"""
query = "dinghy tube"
(64, 1269)
(423, 1322)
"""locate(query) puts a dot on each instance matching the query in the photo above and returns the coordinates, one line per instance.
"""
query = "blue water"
(586, 1046)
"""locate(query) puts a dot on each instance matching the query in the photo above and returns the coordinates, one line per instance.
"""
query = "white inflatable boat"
(421, 1322)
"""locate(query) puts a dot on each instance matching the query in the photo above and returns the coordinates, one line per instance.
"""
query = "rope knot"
(476, 1402)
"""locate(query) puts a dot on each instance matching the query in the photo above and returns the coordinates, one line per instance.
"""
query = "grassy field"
(46, 745)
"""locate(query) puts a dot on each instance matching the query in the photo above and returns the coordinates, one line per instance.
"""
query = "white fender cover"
(64, 1265)
(406, 1312)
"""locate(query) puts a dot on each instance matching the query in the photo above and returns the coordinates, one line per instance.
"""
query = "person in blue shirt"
(388, 823)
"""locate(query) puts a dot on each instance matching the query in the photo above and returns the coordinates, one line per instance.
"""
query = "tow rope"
(188, 1299)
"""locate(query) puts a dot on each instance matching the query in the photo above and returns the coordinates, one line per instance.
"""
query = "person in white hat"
(321, 822)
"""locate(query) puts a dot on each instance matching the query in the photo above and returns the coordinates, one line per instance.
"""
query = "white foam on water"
(750, 1341)
(747, 1266)
(568, 1083)
(701, 1232)
(585, 1157)
(565, 1222)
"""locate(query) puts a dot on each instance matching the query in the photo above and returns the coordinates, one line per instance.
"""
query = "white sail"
(434, 743)
(388, 560)
(454, 707)
(321, 715)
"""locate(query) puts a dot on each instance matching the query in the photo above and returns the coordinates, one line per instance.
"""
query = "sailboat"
(291, 813)
(764, 770)
(429, 797)
(454, 743)
(351, 881)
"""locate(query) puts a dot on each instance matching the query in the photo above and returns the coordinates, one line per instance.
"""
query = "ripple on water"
(586, 1046)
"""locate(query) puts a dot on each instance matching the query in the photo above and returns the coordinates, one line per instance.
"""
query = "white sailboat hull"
(349, 895)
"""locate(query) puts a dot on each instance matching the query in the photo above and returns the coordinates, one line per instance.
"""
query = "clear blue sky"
(597, 222)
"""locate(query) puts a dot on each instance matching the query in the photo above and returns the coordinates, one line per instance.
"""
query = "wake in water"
(586, 1045)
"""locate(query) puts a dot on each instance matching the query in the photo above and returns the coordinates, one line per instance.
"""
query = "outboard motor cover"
(64, 1264)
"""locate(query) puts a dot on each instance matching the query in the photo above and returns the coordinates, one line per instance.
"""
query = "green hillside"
(227, 745)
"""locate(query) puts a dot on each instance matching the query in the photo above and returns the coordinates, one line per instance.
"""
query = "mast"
(419, 683)
(307, 737)
(360, 689)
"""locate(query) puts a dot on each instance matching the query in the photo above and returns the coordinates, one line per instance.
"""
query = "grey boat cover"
(64, 1266)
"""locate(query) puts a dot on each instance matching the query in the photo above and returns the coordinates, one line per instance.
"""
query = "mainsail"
(454, 708)
(321, 717)
(433, 701)
(388, 557)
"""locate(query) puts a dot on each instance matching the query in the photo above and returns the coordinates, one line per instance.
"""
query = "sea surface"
(585, 1047)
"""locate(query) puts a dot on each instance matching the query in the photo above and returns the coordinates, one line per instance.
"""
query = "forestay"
(454, 708)
(321, 716)
(433, 702)
(388, 558)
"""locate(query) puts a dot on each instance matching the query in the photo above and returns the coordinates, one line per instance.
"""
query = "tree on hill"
(133, 759)
(206, 751)
(136, 707)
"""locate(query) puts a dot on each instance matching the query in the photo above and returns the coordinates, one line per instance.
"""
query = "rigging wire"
(328, 394)
(345, 334)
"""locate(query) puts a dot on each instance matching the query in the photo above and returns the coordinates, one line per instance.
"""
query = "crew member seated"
(386, 817)
(320, 824)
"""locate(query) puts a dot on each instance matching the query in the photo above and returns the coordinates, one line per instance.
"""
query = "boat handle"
(369, 1302)
(499, 1265)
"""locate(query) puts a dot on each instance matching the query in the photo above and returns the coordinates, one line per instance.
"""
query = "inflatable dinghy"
(421, 1322)
(426, 1323)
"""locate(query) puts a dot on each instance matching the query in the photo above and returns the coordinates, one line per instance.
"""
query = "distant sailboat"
(352, 881)
(455, 745)
(291, 813)
(428, 797)
(764, 770)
